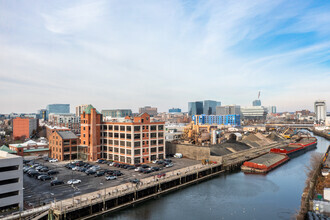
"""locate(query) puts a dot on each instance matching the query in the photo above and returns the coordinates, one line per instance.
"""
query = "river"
(232, 196)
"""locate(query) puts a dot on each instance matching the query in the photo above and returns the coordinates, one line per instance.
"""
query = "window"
(110, 142)
(122, 151)
(122, 159)
(153, 150)
(137, 128)
(122, 128)
(153, 142)
(137, 144)
(128, 136)
(122, 143)
(160, 134)
(128, 144)
(116, 143)
(153, 135)
(137, 160)
(66, 149)
(137, 152)
(116, 127)
(122, 135)
(129, 152)
(137, 136)
(160, 127)
(116, 150)
(110, 156)
(116, 157)
(110, 127)
(128, 128)
(153, 127)
(161, 141)
(129, 160)
(153, 157)
(116, 135)
(160, 149)
(84, 130)
(160, 156)
(110, 134)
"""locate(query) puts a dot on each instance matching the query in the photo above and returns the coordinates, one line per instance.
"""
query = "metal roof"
(67, 135)
(7, 149)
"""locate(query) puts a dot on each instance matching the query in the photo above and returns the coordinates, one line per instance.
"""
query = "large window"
(122, 143)
(128, 128)
(116, 127)
(160, 127)
(153, 150)
(116, 135)
(160, 134)
(161, 141)
(137, 152)
(137, 144)
(153, 135)
(153, 142)
(128, 136)
(116, 150)
(153, 127)
(137, 136)
(122, 135)
(122, 128)
(160, 149)
(129, 152)
(122, 151)
(137, 128)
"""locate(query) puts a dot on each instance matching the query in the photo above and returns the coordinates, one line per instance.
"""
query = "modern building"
(228, 110)
(174, 110)
(42, 114)
(152, 111)
(234, 120)
(11, 183)
(195, 108)
(256, 102)
(80, 109)
(30, 149)
(68, 120)
(209, 107)
(58, 108)
(320, 111)
(254, 113)
(271, 110)
(117, 113)
(63, 145)
(24, 127)
(127, 140)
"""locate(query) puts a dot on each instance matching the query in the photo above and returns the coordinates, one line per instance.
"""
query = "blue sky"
(127, 54)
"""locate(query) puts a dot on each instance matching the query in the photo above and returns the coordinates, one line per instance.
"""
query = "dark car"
(134, 180)
(82, 169)
(168, 160)
(44, 178)
(90, 172)
(99, 173)
(137, 165)
(154, 168)
(99, 161)
(160, 175)
(33, 173)
(142, 170)
(117, 173)
(160, 162)
(145, 166)
(147, 171)
(131, 167)
(52, 172)
(44, 169)
(56, 182)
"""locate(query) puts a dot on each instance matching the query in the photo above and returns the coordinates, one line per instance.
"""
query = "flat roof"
(6, 155)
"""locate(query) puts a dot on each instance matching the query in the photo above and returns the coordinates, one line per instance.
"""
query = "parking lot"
(37, 192)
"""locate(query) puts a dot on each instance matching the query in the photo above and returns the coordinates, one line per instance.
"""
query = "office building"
(195, 108)
(68, 120)
(209, 107)
(24, 127)
(174, 110)
(80, 109)
(256, 102)
(234, 120)
(228, 110)
(320, 111)
(127, 140)
(63, 145)
(117, 113)
(42, 114)
(152, 111)
(254, 113)
(57, 108)
(271, 110)
(11, 181)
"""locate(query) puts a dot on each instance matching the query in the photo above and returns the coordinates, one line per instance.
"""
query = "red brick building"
(63, 145)
(24, 127)
(126, 140)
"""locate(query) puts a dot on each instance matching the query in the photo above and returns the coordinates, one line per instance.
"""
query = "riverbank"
(321, 134)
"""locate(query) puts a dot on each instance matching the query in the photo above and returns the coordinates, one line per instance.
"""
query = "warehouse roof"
(67, 135)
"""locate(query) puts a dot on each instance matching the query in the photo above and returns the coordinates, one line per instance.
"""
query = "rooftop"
(6, 149)
(29, 143)
(6, 155)
(67, 135)
(89, 109)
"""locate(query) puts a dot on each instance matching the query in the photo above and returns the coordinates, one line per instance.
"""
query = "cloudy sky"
(127, 54)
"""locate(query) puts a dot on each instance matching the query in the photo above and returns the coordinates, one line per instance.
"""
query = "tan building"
(63, 145)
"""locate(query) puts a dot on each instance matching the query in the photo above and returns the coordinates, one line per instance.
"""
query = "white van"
(178, 155)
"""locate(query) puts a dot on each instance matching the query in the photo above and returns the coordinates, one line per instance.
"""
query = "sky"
(128, 54)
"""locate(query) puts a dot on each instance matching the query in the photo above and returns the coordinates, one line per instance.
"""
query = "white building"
(11, 182)
(320, 111)
(68, 120)
(254, 113)
(80, 109)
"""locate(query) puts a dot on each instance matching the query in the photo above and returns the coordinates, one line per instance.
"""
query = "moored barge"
(302, 145)
(264, 163)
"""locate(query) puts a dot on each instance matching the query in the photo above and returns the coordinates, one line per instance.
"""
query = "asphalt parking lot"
(38, 192)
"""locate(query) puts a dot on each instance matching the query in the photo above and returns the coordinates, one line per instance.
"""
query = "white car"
(169, 165)
(137, 169)
(111, 177)
(53, 160)
(111, 164)
(154, 161)
(73, 181)
(75, 168)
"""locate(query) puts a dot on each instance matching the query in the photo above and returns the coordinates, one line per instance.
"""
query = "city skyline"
(163, 54)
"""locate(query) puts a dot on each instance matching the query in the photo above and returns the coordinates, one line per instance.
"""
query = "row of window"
(129, 136)
(129, 159)
(128, 151)
(129, 128)
(129, 144)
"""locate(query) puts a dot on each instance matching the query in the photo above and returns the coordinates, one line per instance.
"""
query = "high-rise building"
(195, 108)
(228, 110)
(209, 107)
(256, 102)
(217, 119)
(320, 111)
(42, 114)
(174, 110)
(271, 109)
(24, 127)
(57, 108)
(152, 111)
(68, 120)
(11, 179)
(80, 109)
(117, 113)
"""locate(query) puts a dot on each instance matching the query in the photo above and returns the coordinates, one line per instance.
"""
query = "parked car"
(160, 175)
(99, 173)
(73, 181)
(75, 168)
(168, 160)
(33, 173)
(52, 172)
(110, 163)
(45, 177)
(99, 161)
(169, 165)
(42, 175)
(154, 161)
(82, 169)
(138, 169)
(134, 180)
(56, 182)
(90, 172)
(111, 177)
(145, 166)
(160, 162)
(53, 160)
(44, 169)
(154, 168)
(131, 167)
(147, 171)
(117, 173)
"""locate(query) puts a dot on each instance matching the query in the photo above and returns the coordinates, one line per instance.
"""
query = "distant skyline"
(128, 54)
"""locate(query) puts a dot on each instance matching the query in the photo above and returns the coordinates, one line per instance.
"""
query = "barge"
(302, 145)
(264, 163)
